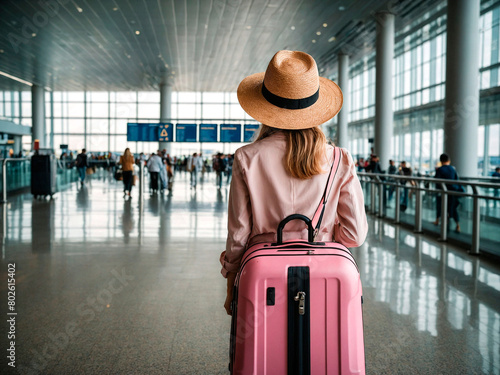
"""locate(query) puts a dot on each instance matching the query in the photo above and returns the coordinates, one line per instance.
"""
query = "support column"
(383, 87)
(462, 92)
(38, 115)
(165, 106)
(342, 120)
(486, 160)
(52, 120)
(18, 144)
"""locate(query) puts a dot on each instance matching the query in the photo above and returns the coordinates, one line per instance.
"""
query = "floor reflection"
(97, 210)
(42, 225)
(82, 197)
(443, 291)
(127, 219)
(421, 296)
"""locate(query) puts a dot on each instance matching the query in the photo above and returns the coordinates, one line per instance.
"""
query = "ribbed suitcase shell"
(259, 332)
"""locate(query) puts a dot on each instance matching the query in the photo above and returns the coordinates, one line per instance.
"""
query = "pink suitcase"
(297, 306)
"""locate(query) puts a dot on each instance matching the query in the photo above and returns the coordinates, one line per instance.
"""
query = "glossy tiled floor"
(105, 285)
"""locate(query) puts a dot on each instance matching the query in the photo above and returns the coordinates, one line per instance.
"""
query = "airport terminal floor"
(107, 285)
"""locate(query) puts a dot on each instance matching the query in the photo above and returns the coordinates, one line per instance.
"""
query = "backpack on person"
(216, 164)
(79, 161)
(223, 165)
(191, 164)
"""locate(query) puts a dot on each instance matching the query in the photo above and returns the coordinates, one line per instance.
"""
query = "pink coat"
(263, 193)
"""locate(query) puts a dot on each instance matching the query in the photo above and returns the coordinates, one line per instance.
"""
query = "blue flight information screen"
(166, 132)
(208, 132)
(151, 133)
(249, 132)
(132, 132)
(185, 133)
(137, 132)
(230, 133)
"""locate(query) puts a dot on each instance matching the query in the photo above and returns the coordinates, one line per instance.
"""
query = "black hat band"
(286, 103)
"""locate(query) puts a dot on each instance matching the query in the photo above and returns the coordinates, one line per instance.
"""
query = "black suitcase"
(43, 175)
(154, 180)
(119, 175)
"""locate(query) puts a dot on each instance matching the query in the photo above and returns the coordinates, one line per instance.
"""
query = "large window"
(98, 120)
(362, 88)
(15, 106)
(419, 66)
(418, 93)
(490, 49)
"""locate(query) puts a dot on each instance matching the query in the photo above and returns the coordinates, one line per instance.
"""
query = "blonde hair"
(305, 150)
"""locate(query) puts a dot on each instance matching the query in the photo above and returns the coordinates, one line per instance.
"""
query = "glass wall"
(15, 106)
(362, 89)
(490, 47)
(419, 66)
(419, 73)
(98, 120)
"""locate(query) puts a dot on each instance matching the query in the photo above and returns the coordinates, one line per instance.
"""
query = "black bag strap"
(318, 215)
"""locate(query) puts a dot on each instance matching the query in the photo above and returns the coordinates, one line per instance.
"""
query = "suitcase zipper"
(299, 331)
(301, 298)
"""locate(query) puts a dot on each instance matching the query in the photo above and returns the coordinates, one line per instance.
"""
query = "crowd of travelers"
(160, 166)
(444, 170)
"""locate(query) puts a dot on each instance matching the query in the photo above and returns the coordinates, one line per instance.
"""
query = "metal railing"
(380, 186)
(16, 175)
(141, 182)
(4, 175)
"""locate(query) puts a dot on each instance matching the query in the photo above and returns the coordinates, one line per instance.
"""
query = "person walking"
(404, 171)
(374, 166)
(230, 160)
(82, 165)
(170, 165)
(496, 180)
(220, 166)
(285, 169)
(448, 172)
(155, 164)
(496, 174)
(127, 163)
(194, 166)
(392, 170)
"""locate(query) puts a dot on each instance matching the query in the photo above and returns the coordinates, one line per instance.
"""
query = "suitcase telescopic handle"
(310, 230)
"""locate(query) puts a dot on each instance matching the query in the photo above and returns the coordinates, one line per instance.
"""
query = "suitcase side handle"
(305, 219)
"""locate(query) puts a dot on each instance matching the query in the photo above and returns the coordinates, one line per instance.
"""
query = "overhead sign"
(230, 133)
(142, 132)
(132, 132)
(152, 133)
(208, 133)
(166, 132)
(249, 132)
(185, 133)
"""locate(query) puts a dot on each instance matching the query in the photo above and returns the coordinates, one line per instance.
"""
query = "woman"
(284, 171)
(127, 163)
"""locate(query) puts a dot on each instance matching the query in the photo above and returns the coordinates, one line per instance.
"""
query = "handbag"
(119, 174)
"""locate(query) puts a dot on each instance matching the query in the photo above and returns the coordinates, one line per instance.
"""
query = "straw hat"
(290, 94)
